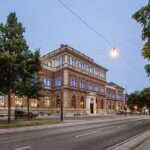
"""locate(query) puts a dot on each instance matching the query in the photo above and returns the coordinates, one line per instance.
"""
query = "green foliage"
(147, 68)
(12, 49)
(134, 99)
(29, 84)
(143, 17)
(139, 98)
(18, 65)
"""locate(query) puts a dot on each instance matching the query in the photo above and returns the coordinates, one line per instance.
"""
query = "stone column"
(95, 112)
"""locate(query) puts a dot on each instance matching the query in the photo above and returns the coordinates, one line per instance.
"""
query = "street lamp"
(114, 52)
(62, 90)
(125, 105)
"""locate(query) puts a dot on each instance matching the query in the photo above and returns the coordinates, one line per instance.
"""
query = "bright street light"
(114, 52)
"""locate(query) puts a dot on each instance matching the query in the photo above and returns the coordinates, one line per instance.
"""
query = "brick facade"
(71, 68)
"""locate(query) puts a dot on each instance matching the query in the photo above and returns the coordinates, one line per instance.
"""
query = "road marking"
(52, 131)
(90, 133)
(27, 147)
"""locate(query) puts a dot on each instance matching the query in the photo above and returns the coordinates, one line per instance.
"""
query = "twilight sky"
(48, 24)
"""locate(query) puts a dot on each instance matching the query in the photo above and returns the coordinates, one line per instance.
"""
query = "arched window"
(58, 102)
(47, 81)
(82, 102)
(73, 102)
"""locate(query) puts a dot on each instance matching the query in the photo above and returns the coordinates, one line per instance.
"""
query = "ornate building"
(75, 78)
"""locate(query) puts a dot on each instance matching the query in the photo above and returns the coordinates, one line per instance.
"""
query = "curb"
(132, 142)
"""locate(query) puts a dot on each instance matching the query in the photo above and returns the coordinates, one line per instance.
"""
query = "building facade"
(74, 78)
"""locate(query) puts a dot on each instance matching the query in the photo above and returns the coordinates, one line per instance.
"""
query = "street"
(88, 136)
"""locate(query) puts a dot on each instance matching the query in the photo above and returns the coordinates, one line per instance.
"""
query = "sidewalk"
(144, 146)
(138, 142)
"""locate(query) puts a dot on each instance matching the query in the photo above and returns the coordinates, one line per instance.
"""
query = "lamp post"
(125, 105)
(62, 90)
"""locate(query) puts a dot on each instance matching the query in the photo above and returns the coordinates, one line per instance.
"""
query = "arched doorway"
(91, 103)
(82, 102)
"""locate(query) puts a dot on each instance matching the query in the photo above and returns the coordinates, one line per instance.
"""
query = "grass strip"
(4, 124)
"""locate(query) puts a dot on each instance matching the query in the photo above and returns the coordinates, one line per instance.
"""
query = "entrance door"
(92, 108)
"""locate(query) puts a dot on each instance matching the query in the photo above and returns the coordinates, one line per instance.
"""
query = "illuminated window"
(47, 101)
(34, 103)
(2, 100)
(18, 101)
(82, 102)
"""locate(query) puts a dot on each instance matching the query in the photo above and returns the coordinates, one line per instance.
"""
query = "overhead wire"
(99, 35)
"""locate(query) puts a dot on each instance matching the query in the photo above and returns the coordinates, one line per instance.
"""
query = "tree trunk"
(28, 108)
(9, 106)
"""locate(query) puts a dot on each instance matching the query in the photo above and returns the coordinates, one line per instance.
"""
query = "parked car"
(22, 114)
(120, 112)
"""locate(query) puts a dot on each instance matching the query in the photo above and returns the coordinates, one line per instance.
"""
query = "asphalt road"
(90, 136)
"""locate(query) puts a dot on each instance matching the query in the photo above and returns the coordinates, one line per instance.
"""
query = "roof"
(70, 49)
(115, 85)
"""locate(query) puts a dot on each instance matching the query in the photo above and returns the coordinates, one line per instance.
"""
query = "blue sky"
(48, 24)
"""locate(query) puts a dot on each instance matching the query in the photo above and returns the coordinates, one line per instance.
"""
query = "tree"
(145, 94)
(142, 16)
(140, 99)
(18, 65)
(12, 49)
(30, 85)
(135, 99)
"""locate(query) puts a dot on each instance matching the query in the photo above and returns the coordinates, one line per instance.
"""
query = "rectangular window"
(47, 81)
(96, 72)
(2, 100)
(90, 86)
(102, 74)
(58, 81)
(34, 103)
(90, 69)
(73, 82)
(102, 89)
(73, 61)
(96, 88)
(82, 65)
(58, 61)
(82, 85)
